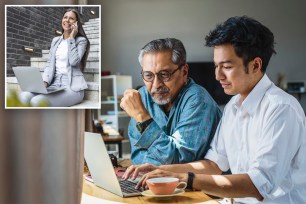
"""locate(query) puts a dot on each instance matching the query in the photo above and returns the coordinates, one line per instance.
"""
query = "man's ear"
(185, 69)
(257, 65)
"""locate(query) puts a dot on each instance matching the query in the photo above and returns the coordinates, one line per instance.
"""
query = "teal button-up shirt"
(182, 136)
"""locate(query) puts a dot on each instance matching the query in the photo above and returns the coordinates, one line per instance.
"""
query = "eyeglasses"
(164, 76)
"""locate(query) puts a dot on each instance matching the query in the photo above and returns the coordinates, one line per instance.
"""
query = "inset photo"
(53, 57)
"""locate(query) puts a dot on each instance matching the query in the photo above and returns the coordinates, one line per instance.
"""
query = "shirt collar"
(252, 101)
(177, 98)
(62, 38)
(182, 91)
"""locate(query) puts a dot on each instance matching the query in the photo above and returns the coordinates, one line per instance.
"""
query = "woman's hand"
(134, 170)
(74, 30)
(160, 173)
(46, 84)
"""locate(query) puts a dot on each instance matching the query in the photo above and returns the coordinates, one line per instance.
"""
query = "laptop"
(102, 170)
(30, 79)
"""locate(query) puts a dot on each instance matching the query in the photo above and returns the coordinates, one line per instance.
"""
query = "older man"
(173, 118)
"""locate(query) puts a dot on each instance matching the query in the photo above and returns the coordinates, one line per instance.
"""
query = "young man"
(173, 118)
(261, 137)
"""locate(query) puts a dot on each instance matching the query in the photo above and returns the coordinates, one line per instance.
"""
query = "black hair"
(249, 38)
(81, 33)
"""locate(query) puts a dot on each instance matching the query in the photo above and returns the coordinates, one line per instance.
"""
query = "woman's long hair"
(80, 33)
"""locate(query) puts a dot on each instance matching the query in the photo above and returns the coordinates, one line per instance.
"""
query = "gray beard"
(162, 101)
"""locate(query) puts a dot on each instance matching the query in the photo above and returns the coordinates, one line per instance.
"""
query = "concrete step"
(94, 41)
(93, 36)
(93, 64)
(94, 19)
(91, 28)
(87, 105)
(92, 75)
(94, 47)
(91, 24)
(94, 54)
(38, 62)
(92, 93)
(95, 22)
(45, 54)
(92, 31)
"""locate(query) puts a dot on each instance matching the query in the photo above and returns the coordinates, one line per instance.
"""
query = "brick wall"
(34, 27)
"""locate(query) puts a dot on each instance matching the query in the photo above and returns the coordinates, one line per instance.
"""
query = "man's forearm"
(198, 167)
(230, 186)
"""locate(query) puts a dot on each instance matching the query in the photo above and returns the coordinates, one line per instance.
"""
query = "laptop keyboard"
(129, 187)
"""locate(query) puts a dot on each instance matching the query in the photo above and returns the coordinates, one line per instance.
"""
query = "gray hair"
(173, 45)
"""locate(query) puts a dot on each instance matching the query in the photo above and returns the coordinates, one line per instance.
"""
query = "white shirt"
(61, 57)
(265, 137)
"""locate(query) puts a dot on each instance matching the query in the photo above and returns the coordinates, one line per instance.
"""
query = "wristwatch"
(190, 180)
(142, 126)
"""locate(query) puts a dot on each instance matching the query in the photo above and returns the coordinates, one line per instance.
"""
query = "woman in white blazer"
(66, 62)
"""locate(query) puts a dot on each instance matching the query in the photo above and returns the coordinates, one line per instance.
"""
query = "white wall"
(127, 25)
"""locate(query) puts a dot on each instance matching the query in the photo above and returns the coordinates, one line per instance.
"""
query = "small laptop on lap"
(102, 170)
(30, 79)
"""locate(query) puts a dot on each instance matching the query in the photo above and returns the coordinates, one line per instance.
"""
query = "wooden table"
(94, 194)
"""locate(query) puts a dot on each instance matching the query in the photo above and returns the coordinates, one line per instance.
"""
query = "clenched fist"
(132, 104)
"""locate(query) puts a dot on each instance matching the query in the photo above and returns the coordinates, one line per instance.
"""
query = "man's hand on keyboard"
(134, 170)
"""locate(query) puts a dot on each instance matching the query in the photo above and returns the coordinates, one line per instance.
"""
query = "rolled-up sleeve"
(149, 136)
(272, 170)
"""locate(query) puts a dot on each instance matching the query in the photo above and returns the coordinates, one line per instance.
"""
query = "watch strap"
(142, 126)
(190, 180)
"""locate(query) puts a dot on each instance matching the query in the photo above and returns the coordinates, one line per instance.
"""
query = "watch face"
(139, 127)
(142, 126)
